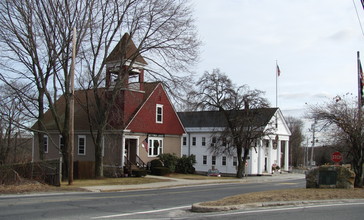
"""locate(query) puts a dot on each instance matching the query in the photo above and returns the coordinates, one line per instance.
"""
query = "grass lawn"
(196, 177)
(289, 195)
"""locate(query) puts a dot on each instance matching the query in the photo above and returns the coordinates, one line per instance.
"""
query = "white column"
(122, 152)
(279, 153)
(260, 157)
(286, 156)
(269, 165)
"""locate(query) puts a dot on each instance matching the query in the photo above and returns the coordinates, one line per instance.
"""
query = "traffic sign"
(336, 157)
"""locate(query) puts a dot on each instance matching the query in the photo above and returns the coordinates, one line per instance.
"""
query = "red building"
(141, 125)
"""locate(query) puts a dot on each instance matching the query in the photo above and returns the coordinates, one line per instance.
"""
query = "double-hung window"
(159, 113)
(223, 161)
(213, 160)
(45, 143)
(155, 146)
(193, 141)
(61, 143)
(81, 145)
(204, 159)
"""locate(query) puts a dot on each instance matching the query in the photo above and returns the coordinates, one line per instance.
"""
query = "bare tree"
(239, 105)
(36, 37)
(295, 126)
(164, 35)
(344, 123)
(11, 115)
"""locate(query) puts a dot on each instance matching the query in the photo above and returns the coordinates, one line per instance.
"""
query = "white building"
(203, 127)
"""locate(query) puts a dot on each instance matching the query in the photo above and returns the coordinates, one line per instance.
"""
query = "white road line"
(139, 213)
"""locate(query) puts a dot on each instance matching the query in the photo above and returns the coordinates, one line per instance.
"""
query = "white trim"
(59, 144)
(78, 144)
(46, 137)
(157, 107)
(150, 146)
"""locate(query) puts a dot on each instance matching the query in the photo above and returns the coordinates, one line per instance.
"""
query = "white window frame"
(151, 148)
(60, 143)
(204, 159)
(213, 160)
(157, 115)
(223, 161)
(45, 144)
(203, 141)
(79, 137)
(194, 140)
(235, 161)
(184, 141)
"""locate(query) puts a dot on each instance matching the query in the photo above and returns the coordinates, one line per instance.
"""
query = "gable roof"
(217, 119)
(125, 46)
(81, 121)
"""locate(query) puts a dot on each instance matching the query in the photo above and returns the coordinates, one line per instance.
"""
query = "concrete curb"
(198, 207)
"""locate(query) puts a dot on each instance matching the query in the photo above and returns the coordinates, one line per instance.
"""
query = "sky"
(314, 42)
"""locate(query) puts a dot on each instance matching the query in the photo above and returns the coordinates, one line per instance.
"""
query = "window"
(81, 145)
(223, 161)
(184, 141)
(213, 141)
(203, 141)
(235, 161)
(193, 141)
(45, 143)
(159, 113)
(61, 144)
(155, 147)
(204, 159)
(213, 160)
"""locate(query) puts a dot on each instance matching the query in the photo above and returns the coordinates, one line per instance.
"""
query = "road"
(170, 203)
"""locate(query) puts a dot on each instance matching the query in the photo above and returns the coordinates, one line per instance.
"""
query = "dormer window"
(159, 113)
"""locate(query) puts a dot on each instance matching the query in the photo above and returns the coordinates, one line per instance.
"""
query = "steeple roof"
(125, 49)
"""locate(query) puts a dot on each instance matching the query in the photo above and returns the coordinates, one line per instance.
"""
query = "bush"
(156, 163)
(139, 173)
(160, 171)
(185, 164)
(169, 161)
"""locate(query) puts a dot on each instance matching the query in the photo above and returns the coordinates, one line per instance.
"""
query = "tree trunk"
(242, 161)
(358, 170)
(99, 171)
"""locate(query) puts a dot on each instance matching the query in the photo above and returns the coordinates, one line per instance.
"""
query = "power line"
(357, 15)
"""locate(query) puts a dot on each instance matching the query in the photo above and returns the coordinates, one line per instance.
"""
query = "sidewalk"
(175, 182)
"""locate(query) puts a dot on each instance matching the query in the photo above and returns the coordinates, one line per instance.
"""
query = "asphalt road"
(169, 203)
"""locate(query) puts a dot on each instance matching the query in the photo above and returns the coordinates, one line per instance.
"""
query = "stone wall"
(330, 177)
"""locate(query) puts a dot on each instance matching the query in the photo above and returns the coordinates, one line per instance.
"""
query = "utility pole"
(72, 110)
(313, 129)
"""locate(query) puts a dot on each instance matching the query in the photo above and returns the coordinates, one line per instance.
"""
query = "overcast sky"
(315, 43)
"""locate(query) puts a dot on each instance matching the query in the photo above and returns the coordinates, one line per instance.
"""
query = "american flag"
(279, 71)
(361, 83)
(145, 144)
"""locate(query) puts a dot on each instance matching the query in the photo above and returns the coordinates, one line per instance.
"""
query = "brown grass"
(289, 195)
(26, 186)
(196, 177)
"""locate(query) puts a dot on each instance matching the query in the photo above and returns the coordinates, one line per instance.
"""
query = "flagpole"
(276, 83)
(359, 82)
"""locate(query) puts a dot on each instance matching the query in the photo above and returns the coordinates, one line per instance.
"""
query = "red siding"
(145, 120)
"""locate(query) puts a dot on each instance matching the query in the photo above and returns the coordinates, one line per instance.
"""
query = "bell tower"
(125, 66)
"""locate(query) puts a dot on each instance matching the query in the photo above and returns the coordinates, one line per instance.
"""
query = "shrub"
(169, 161)
(156, 163)
(185, 164)
(160, 171)
(139, 173)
